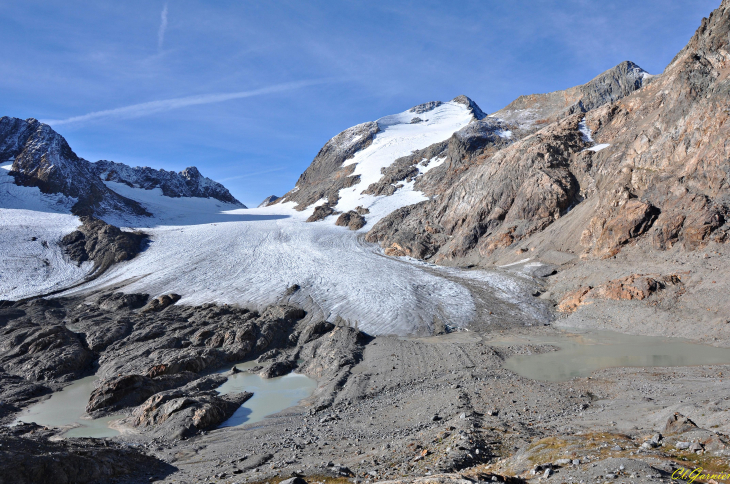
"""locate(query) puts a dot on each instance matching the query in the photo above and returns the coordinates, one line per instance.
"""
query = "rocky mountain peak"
(191, 173)
(624, 159)
(473, 107)
(187, 183)
(266, 201)
(534, 111)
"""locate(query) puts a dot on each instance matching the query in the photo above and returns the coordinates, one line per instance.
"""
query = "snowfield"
(31, 226)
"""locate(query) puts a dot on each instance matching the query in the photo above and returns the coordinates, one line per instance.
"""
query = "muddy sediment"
(385, 408)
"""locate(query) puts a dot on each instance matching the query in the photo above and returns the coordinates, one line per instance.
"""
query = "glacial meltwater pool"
(583, 352)
(66, 408)
(269, 396)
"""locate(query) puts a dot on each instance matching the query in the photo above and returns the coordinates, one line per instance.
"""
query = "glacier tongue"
(251, 257)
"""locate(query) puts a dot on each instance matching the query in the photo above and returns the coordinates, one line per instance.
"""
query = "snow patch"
(585, 131)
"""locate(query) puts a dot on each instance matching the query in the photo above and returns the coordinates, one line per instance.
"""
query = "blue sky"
(250, 91)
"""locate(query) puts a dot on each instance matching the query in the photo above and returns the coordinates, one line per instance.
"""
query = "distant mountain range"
(42, 158)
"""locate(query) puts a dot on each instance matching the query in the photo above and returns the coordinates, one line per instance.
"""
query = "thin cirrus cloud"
(163, 28)
(249, 175)
(154, 107)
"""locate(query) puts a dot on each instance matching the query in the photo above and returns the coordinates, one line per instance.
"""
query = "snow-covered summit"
(344, 172)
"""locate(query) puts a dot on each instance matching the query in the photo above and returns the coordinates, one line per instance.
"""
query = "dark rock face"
(131, 390)
(329, 173)
(321, 212)
(270, 199)
(187, 183)
(473, 108)
(119, 300)
(44, 159)
(425, 107)
(160, 303)
(41, 353)
(326, 176)
(27, 456)
(102, 243)
(404, 169)
(157, 369)
(16, 391)
(523, 188)
(643, 184)
(179, 413)
(535, 111)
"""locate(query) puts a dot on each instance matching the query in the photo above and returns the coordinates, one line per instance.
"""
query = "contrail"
(153, 107)
(163, 27)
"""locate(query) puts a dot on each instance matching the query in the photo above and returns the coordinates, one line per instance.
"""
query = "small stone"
(548, 473)
(682, 445)
(294, 480)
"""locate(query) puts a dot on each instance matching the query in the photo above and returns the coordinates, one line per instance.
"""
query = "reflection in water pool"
(582, 353)
(65, 408)
(269, 395)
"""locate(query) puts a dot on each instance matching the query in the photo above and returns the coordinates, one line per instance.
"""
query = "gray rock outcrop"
(187, 183)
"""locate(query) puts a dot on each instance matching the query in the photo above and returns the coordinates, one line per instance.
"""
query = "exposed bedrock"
(27, 456)
(326, 176)
(104, 244)
(183, 411)
(655, 178)
(520, 190)
(158, 361)
(43, 159)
